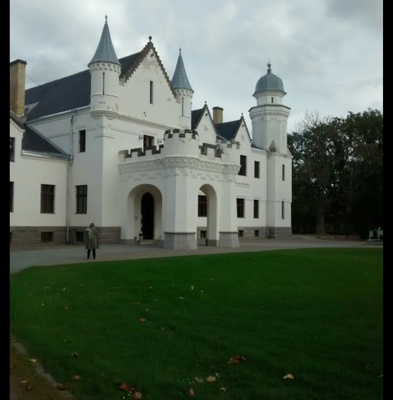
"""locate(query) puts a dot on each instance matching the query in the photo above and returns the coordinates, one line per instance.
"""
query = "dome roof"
(269, 82)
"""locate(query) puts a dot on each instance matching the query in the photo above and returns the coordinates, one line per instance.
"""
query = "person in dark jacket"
(92, 240)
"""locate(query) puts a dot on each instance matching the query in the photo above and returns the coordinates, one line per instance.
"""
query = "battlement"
(180, 133)
(139, 152)
(188, 147)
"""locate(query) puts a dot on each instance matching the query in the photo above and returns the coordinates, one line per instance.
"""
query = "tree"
(337, 172)
(313, 149)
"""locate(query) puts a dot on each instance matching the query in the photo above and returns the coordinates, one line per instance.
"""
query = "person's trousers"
(91, 251)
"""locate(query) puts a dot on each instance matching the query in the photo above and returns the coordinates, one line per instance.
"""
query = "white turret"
(105, 70)
(269, 117)
(184, 93)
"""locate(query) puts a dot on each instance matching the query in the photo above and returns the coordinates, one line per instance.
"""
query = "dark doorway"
(147, 211)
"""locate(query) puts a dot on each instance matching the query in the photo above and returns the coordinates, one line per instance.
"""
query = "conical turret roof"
(105, 51)
(180, 80)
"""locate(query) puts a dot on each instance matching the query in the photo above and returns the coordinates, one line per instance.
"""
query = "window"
(256, 169)
(151, 92)
(243, 166)
(256, 208)
(79, 237)
(283, 172)
(81, 199)
(46, 236)
(282, 210)
(240, 208)
(103, 83)
(202, 206)
(82, 141)
(241, 233)
(47, 199)
(12, 149)
(11, 196)
(203, 235)
(256, 233)
(148, 141)
(272, 100)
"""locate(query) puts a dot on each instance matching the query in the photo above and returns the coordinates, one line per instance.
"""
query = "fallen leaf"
(142, 319)
(75, 354)
(33, 360)
(75, 377)
(60, 386)
(223, 389)
(137, 395)
(236, 359)
(288, 376)
(24, 382)
(125, 387)
(211, 379)
(191, 392)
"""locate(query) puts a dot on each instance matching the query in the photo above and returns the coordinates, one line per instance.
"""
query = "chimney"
(217, 115)
(17, 87)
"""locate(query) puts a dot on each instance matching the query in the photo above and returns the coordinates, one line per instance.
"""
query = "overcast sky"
(328, 53)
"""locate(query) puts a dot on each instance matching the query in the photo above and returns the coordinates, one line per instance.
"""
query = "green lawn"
(287, 324)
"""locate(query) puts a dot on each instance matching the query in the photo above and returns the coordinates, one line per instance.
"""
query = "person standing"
(92, 240)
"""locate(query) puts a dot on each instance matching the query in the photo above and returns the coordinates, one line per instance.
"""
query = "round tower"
(269, 117)
(105, 70)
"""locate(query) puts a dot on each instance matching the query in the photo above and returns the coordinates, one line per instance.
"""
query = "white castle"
(119, 144)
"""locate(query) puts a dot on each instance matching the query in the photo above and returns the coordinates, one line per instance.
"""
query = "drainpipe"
(70, 162)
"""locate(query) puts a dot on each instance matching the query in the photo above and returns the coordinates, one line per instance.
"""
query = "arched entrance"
(147, 219)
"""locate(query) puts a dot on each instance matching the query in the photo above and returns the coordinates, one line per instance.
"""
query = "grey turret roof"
(269, 82)
(180, 80)
(105, 51)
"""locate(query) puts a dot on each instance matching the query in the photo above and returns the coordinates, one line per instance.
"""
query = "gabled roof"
(196, 116)
(229, 130)
(34, 142)
(131, 63)
(63, 94)
(73, 92)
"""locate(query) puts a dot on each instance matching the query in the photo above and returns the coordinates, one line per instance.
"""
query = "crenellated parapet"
(181, 133)
(184, 143)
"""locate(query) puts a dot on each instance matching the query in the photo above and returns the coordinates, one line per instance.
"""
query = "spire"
(105, 51)
(180, 80)
(269, 67)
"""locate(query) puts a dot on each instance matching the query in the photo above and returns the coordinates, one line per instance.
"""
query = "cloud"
(327, 52)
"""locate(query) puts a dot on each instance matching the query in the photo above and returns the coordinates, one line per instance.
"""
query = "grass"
(163, 326)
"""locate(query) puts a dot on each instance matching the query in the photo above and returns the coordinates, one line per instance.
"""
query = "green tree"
(337, 173)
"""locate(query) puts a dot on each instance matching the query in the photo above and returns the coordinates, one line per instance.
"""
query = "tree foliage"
(337, 173)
